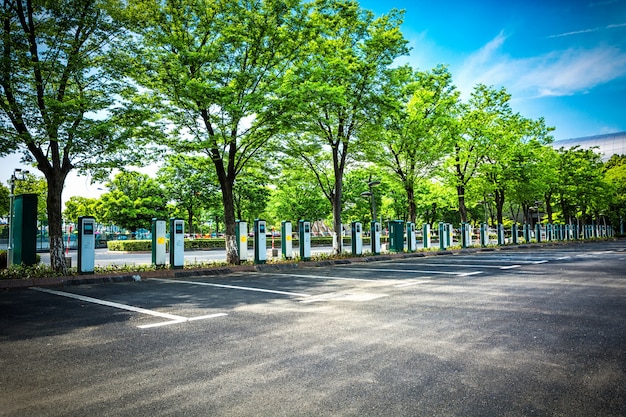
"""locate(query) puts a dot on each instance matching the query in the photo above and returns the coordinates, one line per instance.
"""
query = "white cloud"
(558, 73)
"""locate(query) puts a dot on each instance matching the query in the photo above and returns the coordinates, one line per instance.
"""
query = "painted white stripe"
(167, 323)
(319, 277)
(510, 267)
(467, 274)
(411, 271)
(173, 318)
(232, 287)
(408, 284)
(456, 265)
(540, 262)
(112, 304)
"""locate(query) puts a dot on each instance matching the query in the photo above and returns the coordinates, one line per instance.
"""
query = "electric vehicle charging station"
(442, 238)
(260, 241)
(514, 234)
(304, 229)
(159, 242)
(357, 238)
(286, 243)
(396, 236)
(375, 237)
(448, 229)
(500, 234)
(484, 239)
(526, 233)
(465, 235)
(86, 244)
(177, 243)
(411, 239)
(241, 234)
(22, 248)
(426, 235)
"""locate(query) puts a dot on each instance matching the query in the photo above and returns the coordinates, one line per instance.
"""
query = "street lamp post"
(18, 175)
(370, 194)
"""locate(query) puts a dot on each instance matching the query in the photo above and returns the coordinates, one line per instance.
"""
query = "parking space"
(528, 331)
(164, 302)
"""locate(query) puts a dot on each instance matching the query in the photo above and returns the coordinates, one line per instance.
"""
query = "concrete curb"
(11, 284)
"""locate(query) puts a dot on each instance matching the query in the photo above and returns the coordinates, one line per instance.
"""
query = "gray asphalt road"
(537, 332)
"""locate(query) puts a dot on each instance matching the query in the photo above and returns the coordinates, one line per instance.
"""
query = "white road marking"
(411, 271)
(540, 262)
(173, 318)
(408, 284)
(319, 277)
(232, 287)
(471, 266)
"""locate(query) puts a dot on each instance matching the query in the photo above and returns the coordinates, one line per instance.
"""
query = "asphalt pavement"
(522, 332)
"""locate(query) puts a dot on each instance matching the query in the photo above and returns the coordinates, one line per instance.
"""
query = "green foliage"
(133, 200)
(77, 206)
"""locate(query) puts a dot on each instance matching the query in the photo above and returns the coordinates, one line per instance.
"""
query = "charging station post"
(86, 244)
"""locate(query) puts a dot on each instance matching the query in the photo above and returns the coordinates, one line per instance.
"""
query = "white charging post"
(375, 237)
(177, 243)
(286, 242)
(305, 239)
(357, 238)
(159, 242)
(86, 244)
(241, 234)
(411, 238)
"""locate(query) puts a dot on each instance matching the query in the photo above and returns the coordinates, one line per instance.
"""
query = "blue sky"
(561, 60)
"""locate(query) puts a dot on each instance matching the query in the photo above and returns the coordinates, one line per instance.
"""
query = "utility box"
(396, 236)
(304, 229)
(286, 242)
(484, 234)
(24, 230)
(357, 238)
(260, 241)
(177, 243)
(86, 244)
(375, 237)
(241, 234)
(159, 242)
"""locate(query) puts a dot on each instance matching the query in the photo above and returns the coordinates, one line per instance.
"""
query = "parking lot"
(530, 331)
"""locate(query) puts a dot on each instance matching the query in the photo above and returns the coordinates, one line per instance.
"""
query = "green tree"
(4, 201)
(297, 195)
(214, 66)
(189, 185)
(416, 127)
(34, 184)
(615, 176)
(132, 201)
(77, 206)
(56, 93)
(336, 87)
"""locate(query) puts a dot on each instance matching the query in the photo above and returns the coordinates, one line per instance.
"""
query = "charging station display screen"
(261, 228)
(179, 229)
(306, 228)
(88, 228)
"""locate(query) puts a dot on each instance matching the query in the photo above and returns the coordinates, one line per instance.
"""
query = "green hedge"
(218, 243)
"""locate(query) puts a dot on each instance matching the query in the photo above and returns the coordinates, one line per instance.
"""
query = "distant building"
(608, 145)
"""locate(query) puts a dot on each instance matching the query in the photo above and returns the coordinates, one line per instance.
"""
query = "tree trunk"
(56, 180)
(190, 220)
(337, 226)
(232, 255)
(499, 199)
(460, 192)
(548, 198)
(410, 195)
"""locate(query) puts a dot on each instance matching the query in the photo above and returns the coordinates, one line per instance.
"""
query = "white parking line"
(408, 284)
(232, 287)
(173, 318)
(319, 277)
(411, 271)
(471, 266)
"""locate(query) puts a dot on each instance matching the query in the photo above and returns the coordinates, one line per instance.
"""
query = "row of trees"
(247, 99)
